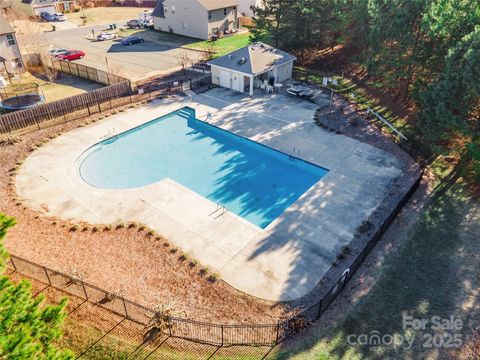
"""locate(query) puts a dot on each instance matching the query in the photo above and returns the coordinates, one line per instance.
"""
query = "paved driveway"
(156, 54)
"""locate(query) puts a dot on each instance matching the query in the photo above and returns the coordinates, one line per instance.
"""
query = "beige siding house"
(255, 63)
(195, 18)
(10, 56)
(36, 7)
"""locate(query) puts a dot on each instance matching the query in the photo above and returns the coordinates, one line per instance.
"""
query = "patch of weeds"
(150, 233)
(132, 225)
(204, 271)
(193, 263)
(107, 227)
(345, 249)
(183, 257)
(120, 226)
(94, 229)
(166, 244)
(214, 277)
(85, 228)
(173, 250)
(141, 228)
(74, 227)
(364, 227)
(158, 237)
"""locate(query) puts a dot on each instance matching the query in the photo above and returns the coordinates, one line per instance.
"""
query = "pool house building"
(253, 66)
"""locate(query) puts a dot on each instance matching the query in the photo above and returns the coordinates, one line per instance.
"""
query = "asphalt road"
(128, 61)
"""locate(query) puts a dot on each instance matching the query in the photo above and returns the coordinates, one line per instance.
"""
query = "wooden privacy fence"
(90, 102)
(84, 71)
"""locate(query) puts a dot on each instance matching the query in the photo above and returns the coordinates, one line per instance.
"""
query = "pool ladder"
(221, 208)
(110, 133)
(295, 152)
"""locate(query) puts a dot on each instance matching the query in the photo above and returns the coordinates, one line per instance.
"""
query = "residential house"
(254, 63)
(10, 56)
(244, 7)
(36, 7)
(195, 18)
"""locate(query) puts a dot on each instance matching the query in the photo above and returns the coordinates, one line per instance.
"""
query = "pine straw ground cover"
(125, 259)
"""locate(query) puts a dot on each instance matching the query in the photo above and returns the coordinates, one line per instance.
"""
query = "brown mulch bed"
(127, 261)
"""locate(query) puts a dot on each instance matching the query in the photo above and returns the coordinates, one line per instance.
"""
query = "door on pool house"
(236, 83)
(225, 79)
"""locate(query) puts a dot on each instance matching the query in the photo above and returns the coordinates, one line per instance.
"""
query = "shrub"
(214, 277)
(204, 271)
(74, 227)
(120, 226)
(107, 227)
(94, 229)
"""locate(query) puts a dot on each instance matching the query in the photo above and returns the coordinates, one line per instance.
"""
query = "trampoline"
(22, 96)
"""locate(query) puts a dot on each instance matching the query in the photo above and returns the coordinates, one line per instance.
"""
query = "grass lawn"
(65, 86)
(433, 273)
(104, 15)
(224, 45)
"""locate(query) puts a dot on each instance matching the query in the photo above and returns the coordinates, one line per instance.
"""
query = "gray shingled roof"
(217, 4)
(253, 59)
(158, 9)
(5, 27)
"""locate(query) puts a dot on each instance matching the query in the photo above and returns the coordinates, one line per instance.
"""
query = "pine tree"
(28, 327)
(451, 104)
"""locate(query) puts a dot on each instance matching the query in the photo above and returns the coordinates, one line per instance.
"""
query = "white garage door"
(224, 79)
(47, 9)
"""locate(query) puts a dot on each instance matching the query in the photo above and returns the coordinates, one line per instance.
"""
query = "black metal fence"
(205, 332)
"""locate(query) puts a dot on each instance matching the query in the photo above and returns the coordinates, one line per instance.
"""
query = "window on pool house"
(10, 39)
(209, 15)
(225, 11)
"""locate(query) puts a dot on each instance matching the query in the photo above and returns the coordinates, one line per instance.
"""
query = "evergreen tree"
(28, 327)
(451, 105)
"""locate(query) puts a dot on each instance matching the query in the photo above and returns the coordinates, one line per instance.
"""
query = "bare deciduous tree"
(210, 49)
(184, 61)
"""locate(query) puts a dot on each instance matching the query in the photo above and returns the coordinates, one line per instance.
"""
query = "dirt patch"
(127, 260)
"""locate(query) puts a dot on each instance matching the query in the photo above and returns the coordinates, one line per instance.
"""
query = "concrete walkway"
(282, 262)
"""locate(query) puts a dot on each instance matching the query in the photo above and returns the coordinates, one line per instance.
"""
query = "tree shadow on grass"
(427, 276)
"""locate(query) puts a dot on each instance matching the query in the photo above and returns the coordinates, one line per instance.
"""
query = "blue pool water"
(249, 179)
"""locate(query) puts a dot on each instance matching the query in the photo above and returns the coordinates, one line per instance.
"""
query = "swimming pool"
(249, 179)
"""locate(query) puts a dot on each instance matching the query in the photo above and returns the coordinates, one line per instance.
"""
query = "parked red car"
(72, 55)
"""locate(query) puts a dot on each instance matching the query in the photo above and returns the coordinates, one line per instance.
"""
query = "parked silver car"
(59, 17)
(106, 36)
(57, 51)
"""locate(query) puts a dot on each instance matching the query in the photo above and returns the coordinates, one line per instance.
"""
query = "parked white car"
(59, 17)
(106, 36)
(58, 51)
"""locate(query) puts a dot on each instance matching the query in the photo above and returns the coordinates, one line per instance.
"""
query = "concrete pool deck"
(282, 262)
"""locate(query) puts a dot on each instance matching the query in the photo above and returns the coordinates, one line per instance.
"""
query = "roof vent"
(242, 60)
(230, 57)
